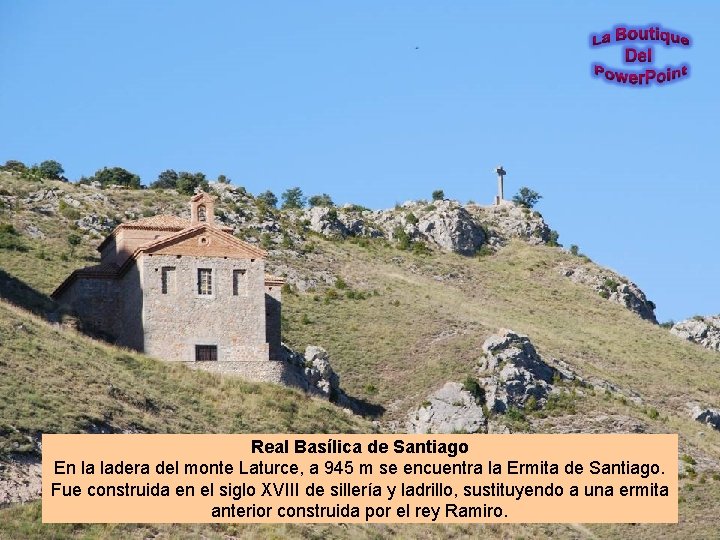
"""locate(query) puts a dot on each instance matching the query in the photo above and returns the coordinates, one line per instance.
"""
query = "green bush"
(67, 211)
(402, 238)
(266, 241)
(438, 195)
(10, 239)
(411, 218)
(340, 283)
(472, 386)
(611, 284)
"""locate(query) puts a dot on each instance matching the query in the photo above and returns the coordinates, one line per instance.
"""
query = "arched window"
(202, 215)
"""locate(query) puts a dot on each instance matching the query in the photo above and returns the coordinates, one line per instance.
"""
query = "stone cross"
(501, 173)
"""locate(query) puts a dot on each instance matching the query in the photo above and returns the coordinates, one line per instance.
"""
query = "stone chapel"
(180, 290)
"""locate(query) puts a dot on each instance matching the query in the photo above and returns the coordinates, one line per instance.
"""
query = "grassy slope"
(424, 326)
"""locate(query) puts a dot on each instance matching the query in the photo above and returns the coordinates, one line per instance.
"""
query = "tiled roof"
(99, 271)
(162, 221)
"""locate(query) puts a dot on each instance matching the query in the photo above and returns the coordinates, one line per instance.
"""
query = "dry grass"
(421, 322)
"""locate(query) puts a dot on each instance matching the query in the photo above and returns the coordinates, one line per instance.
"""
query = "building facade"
(180, 290)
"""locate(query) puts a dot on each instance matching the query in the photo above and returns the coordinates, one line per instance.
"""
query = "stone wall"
(277, 372)
(96, 302)
(273, 311)
(176, 322)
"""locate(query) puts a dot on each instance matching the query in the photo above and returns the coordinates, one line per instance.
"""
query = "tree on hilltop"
(526, 197)
(116, 176)
(293, 198)
(321, 200)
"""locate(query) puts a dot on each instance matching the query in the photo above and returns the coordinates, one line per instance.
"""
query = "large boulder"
(324, 220)
(451, 409)
(451, 227)
(704, 331)
(514, 372)
(312, 372)
(707, 416)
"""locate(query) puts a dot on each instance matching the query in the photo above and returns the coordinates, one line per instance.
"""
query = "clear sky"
(378, 102)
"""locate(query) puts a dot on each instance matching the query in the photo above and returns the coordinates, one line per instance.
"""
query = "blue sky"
(379, 102)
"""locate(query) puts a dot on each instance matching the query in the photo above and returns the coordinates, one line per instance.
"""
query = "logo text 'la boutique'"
(639, 50)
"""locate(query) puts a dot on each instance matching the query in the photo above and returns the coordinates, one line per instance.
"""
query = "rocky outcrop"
(510, 375)
(704, 331)
(20, 480)
(507, 221)
(514, 372)
(313, 373)
(451, 228)
(612, 287)
(707, 416)
(452, 409)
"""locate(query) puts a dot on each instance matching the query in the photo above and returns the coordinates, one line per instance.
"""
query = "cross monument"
(499, 197)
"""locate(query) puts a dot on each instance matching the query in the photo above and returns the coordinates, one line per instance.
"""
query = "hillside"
(400, 316)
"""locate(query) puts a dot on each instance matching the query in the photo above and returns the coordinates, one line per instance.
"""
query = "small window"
(168, 279)
(237, 278)
(204, 281)
(206, 353)
(202, 213)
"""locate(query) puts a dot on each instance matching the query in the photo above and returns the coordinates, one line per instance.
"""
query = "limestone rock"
(707, 416)
(612, 287)
(324, 220)
(511, 221)
(704, 331)
(449, 410)
(514, 372)
(313, 373)
(319, 373)
(445, 224)
(451, 228)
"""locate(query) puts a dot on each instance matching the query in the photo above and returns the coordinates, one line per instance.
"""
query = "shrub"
(402, 238)
(515, 414)
(305, 319)
(411, 218)
(574, 250)
(10, 239)
(553, 238)
(73, 241)
(370, 389)
(531, 404)
(526, 197)
(266, 240)
(472, 386)
(116, 176)
(188, 182)
(438, 195)
(267, 198)
(68, 211)
(611, 284)
(340, 283)
(484, 251)
(14, 165)
(420, 248)
(321, 200)
(688, 459)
